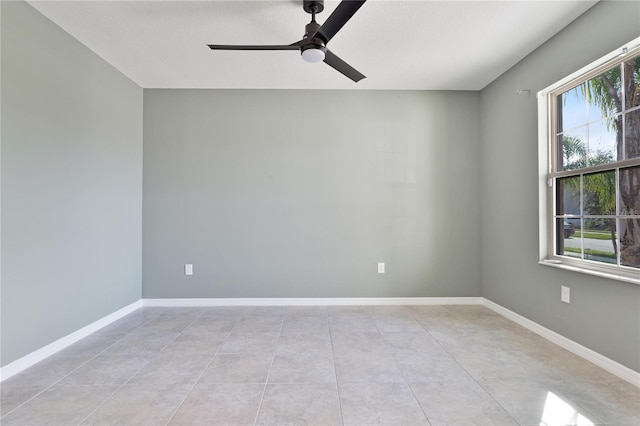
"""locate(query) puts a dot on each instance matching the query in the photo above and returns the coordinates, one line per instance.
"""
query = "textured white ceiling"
(421, 45)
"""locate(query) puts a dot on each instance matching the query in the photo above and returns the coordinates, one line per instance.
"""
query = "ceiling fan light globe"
(313, 55)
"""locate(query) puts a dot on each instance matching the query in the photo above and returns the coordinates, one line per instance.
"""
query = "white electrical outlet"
(188, 269)
(565, 294)
(381, 267)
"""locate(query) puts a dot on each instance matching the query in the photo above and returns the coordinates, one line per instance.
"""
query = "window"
(590, 168)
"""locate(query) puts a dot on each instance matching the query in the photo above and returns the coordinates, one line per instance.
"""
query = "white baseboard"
(27, 361)
(602, 361)
(320, 301)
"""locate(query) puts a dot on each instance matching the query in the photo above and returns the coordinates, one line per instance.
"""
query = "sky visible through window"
(584, 121)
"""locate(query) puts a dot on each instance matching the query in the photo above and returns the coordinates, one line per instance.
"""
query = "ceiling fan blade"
(259, 47)
(345, 10)
(341, 66)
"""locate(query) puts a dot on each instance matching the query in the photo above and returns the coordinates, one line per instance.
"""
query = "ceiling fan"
(313, 45)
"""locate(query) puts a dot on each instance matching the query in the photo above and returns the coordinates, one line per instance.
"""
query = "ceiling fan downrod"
(315, 49)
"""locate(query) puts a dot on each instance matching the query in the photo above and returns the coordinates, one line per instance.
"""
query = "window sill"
(560, 265)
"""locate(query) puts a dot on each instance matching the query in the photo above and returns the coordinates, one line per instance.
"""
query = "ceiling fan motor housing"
(316, 46)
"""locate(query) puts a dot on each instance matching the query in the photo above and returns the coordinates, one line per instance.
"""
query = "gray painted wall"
(604, 315)
(301, 193)
(71, 184)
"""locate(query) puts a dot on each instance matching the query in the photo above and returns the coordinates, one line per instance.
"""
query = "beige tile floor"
(351, 365)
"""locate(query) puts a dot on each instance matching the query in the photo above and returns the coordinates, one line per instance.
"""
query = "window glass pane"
(605, 94)
(567, 244)
(629, 187)
(599, 193)
(630, 242)
(574, 149)
(572, 109)
(600, 240)
(568, 196)
(604, 137)
(632, 82)
(632, 134)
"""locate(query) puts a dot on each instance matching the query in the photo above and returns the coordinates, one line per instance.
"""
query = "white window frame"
(546, 157)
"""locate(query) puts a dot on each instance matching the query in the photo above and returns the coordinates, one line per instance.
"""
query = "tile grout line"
(401, 372)
(335, 370)
(201, 374)
(266, 381)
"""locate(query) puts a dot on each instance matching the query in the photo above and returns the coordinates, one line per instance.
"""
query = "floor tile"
(468, 340)
(169, 324)
(397, 324)
(390, 312)
(140, 405)
(59, 405)
(272, 323)
(352, 324)
(49, 371)
(213, 324)
(420, 341)
(140, 343)
(223, 311)
(614, 402)
(316, 342)
(148, 312)
(472, 312)
(367, 367)
(429, 312)
(305, 324)
(12, 396)
(339, 310)
(306, 311)
(302, 367)
(496, 365)
(238, 368)
(107, 370)
(380, 404)
(184, 312)
(345, 343)
(172, 369)
(194, 342)
(92, 344)
(266, 311)
(566, 366)
(459, 403)
(251, 342)
(124, 326)
(220, 404)
(537, 403)
(429, 366)
(300, 404)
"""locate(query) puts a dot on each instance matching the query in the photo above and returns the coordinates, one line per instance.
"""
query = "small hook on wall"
(523, 92)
